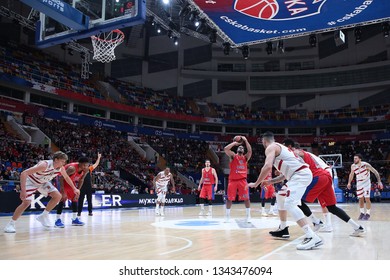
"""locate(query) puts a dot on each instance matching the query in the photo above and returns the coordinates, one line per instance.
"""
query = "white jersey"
(163, 180)
(362, 173)
(42, 177)
(287, 162)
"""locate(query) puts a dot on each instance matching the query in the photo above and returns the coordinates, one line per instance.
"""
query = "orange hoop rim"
(120, 39)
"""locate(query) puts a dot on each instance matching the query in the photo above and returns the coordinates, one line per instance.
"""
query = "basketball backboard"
(333, 160)
(104, 15)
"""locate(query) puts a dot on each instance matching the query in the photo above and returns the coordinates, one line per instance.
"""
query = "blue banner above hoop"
(61, 12)
(256, 21)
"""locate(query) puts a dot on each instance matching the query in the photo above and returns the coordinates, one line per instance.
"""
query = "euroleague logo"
(278, 9)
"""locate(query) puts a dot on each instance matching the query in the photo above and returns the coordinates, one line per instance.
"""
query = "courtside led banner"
(255, 21)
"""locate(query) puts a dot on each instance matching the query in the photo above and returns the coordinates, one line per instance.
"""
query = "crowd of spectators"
(34, 65)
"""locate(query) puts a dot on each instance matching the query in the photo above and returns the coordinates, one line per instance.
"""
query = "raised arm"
(97, 162)
(248, 154)
(228, 149)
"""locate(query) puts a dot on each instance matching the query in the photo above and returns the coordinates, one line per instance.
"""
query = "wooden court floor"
(137, 234)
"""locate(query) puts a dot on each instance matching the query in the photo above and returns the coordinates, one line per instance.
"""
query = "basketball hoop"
(105, 43)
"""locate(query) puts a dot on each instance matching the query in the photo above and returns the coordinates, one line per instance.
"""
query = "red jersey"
(75, 177)
(208, 176)
(238, 168)
(316, 169)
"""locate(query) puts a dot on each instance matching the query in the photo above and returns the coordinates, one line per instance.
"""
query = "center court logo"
(278, 9)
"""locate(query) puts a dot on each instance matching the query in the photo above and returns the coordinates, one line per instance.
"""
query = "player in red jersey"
(77, 172)
(238, 174)
(207, 187)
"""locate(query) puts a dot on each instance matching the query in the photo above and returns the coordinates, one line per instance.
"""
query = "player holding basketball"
(238, 174)
(37, 178)
(362, 171)
(299, 177)
(77, 172)
(160, 183)
(207, 187)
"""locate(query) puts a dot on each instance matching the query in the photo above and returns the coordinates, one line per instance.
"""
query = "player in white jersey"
(160, 183)
(37, 178)
(363, 184)
(299, 177)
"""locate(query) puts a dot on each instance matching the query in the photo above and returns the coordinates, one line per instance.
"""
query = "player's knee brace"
(305, 209)
(339, 213)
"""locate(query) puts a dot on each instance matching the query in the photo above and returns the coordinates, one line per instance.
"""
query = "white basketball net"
(104, 45)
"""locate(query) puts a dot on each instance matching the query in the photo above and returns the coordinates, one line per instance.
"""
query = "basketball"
(238, 139)
(264, 9)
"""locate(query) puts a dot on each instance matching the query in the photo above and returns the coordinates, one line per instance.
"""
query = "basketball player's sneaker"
(77, 222)
(209, 213)
(59, 224)
(310, 243)
(272, 213)
(316, 227)
(264, 214)
(248, 220)
(201, 213)
(162, 213)
(358, 232)
(361, 216)
(44, 220)
(10, 228)
(280, 233)
(326, 228)
(366, 217)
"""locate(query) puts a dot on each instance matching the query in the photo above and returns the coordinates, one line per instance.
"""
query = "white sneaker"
(209, 213)
(201, 213)
(162, 213)
(264, 214)
(44, 220)
(326, 229)
(316, 227)
(310, 243)
(248, 220)
(9, 228)
(272, 213)
(157, 213)
(227, 220)
(358, 232)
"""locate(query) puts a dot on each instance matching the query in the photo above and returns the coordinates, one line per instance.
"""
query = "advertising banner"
(255, 21)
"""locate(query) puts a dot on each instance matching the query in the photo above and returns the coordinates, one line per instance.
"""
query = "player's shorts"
(321, 188)
(267, 193)
(294, 189)
(207, 191)
(161, 192)
(44, 189)
(363, 189)
(240, 187)
(69, 192)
